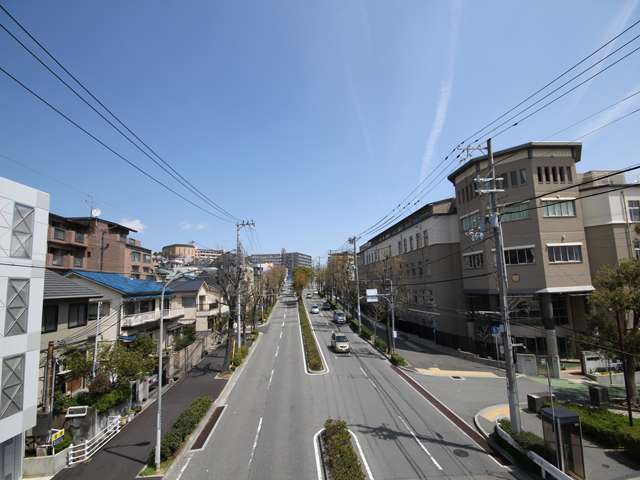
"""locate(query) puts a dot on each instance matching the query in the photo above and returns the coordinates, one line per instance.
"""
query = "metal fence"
(83, 451)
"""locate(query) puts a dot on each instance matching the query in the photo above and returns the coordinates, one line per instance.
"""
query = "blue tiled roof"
(122, 284)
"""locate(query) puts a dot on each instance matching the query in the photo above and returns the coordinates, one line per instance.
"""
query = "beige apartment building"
(419, 258)
(610, 218)
(94, 244)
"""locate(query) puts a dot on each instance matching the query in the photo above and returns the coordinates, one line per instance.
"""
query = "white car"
(340, 343)
(315, 309)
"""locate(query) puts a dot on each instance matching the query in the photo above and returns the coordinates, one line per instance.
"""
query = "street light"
(168, 282)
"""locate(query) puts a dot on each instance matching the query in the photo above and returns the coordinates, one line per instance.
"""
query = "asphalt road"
(276, 408)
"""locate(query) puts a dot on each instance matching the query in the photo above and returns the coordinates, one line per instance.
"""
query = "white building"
(24, 220)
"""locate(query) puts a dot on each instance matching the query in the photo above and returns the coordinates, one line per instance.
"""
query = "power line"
(166, 166)
(122, 157)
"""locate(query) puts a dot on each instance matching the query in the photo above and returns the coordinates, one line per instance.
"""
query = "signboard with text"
(372, 295)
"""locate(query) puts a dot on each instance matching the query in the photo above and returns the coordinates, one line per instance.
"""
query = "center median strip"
(315, 363)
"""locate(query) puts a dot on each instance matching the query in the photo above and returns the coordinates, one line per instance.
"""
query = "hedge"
(608, 429)
(341, 459)
(398, 360)
(527, 440)
(186, 423)
(311, 353)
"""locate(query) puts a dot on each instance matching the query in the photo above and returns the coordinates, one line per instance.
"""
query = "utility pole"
(240, 225)
(501, 272)
(95, 346)
(354, 240)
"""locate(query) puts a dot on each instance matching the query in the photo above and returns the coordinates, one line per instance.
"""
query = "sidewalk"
(600, 463)
(124, 456)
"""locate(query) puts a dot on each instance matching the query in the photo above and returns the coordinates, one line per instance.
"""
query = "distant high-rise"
(290, 260)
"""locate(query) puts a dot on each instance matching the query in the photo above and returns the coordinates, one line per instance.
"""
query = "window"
(569, 175)
(565, 253)
(636, 249)
(561, 174)
(12, 385)
(189, 302)
(547, 177)
(167, 303)
(516, 211)
(425, 234)
(147, 306)
(135, 276)
(22, 231)
(135, 256)
(17, 307)
(519, 256)
(473, 261)
(418, 240)
(135, 268)
(58, 234)
(470, 222)
(404, 242)
(505, 181)
(540, 179)
(49, 318)
(555, 208)
(129, 308)
(554, 174)
(79, 237)
(514, 178)
(77, 315)
(523, 176)
(105, 310)
(399, 247)
(147, 258)
(634, 210)
(411, 242)
(78, 261)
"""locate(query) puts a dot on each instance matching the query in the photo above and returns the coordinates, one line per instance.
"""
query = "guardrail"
(548, 468)
(83, 451)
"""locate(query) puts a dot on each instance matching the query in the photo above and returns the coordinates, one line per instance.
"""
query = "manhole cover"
(460, 453)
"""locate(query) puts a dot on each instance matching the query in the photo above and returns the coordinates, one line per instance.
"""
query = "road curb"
(325, 370)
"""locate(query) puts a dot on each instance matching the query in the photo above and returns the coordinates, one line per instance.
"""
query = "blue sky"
(312, 118)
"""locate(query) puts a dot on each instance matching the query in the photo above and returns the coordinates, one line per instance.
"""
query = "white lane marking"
(255, 441)
(184, 467)
(435, 462)
(280, 333)
(363, 372)
(364, 460)
(316, 448)
(373, 384)
(283, 324)
(270, 378)
(451, 421)
(277, 350)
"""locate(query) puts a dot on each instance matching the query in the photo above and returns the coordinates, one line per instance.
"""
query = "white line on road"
(277, 350)
(373, 384)
(435, 462)
(184, 467)
(363, 372)
(270, 378)
(255, 441)
(280, 333)
(316, 449)
(364, 460)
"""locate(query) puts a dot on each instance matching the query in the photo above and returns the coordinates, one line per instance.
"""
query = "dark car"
(326, 306)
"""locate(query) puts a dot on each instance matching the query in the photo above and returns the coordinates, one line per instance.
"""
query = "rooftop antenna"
(94, 212)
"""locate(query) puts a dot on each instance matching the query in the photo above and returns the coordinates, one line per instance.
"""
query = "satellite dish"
(95, 212)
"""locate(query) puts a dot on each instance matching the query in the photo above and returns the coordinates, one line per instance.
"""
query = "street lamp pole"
(353, 240)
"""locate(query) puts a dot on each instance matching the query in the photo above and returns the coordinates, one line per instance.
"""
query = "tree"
(301, 278)
(615, 319)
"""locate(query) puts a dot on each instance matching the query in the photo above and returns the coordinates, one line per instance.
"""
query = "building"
(134, 305)
(610, 218)
(208, 254)
(23, 254)
(202, 304)
(94, 244)
(545, 245)
(179, 251)
(418, 259)
(69, 316)
(290, 260)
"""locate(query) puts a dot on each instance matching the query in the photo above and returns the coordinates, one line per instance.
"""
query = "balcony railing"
(137, 319)
(64, 261)
(60, 235)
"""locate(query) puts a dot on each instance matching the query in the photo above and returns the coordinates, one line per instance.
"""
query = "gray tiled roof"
(58, 287)
(187, 285)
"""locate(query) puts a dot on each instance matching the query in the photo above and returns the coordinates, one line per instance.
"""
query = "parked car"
(326, 306)
(315, 309)
(339, 317)
(309, 295)
(340, 343)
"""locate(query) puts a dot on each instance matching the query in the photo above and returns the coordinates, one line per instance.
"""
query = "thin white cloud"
(134, 223)
(446, 86)
(609, 115)
(186, 226)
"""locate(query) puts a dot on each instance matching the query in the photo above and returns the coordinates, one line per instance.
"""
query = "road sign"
(57, 436)
(372, 295)
(496, 330)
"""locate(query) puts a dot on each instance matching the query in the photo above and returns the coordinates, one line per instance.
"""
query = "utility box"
(563, 437)
(598, 395)
(536, 401)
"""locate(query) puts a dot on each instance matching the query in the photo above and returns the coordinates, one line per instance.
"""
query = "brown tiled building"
(94, 244)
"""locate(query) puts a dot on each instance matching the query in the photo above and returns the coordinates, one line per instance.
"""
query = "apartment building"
(94, 244)
(23, 252)
(290, 260)
(545, 243)
(610, 218)
(201, 303)
(179, 250)
(208, 254)
(418, 259)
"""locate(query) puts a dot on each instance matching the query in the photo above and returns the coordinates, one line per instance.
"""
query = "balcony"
(66, 237)
(204, 310)
(137, 319)
(55, 260)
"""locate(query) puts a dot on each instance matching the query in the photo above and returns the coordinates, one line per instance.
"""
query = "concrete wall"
(44, 466)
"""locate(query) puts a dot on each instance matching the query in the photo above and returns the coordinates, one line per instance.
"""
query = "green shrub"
(186, 423)
(61, 402)
(342, 460)
(110, 399)
(311, 353)
(398, 360)
(366, 334)
(527, 440)
(239, 356)
(380, 345)
(66, 441)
